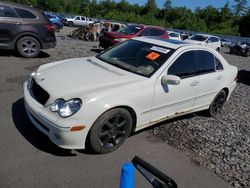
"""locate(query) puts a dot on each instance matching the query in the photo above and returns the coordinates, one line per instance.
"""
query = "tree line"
(227, 20)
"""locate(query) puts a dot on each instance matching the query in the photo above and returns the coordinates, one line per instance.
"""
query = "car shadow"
(32, 134)
(244, 77)
(13, 53)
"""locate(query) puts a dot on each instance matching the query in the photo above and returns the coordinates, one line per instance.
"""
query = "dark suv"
(25, 29)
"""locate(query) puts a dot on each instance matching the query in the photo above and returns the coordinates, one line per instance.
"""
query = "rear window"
(25, 13)
(7, 12)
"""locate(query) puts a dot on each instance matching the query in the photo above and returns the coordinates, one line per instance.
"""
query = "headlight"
(66, 108)
(120, 39)
(29, 81)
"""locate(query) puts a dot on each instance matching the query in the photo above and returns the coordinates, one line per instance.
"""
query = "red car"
(111, 38)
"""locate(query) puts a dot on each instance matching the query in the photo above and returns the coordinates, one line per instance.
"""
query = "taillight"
(50, 28)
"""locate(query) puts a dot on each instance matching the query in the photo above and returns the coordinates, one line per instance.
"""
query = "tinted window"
(205, 62)
(173, 35)
(213, 39)
(218, 64)
(184, 66)
(24, 13)
(7, 12)
(77, 18)
(146, 32)
(157, 32)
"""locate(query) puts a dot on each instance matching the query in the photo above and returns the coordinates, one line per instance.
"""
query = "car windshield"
(137, 57)
(130, 30)
(199, 37)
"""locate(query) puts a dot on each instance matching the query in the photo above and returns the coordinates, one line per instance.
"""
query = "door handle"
(194, 83)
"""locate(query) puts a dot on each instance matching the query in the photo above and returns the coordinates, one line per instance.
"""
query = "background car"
(55, 20)
(78, 21)
(111, 38)
(225, 42)
(25, 29)
(129, 87)
(206, 40)
(174, 35)
(241, 48)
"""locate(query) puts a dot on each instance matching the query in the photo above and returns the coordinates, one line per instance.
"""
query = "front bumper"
(58, 130)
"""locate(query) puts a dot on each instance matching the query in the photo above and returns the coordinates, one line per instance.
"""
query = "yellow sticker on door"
(152, 56)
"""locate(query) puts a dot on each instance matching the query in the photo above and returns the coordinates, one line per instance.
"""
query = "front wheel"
(110, 130)
(217, 105)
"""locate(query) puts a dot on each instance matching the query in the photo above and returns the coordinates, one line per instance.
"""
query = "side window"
(172, 35)
(25, 13)
(146, 32)
(184, 66)
(157, 32)
(83, 18)
(205, 62)
(77, 18)
(7, 12)
(218, 64)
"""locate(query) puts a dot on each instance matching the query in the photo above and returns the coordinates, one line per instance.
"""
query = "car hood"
(81, 77)
(115, 35)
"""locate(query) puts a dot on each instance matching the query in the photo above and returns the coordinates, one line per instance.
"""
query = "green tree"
(150, 8)
(240, 8)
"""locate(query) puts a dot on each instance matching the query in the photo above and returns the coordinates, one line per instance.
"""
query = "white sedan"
(101, 100)
(206, 40)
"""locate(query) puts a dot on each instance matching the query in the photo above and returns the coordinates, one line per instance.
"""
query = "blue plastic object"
(127, 176)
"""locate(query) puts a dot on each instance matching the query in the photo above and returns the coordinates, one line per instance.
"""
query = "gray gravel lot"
(222, 144)
(28, 159)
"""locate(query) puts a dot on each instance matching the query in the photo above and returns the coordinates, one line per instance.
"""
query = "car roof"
(206, 35)
(20, 6)
(174, 44)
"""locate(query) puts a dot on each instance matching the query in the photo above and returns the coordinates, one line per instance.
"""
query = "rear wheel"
(217, 105)
(28, 47)
(110, 130)
(71, 24)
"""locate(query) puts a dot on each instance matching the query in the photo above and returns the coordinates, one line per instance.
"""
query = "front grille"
(39, 93)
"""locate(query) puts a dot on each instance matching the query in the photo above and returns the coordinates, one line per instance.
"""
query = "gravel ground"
(222, 144)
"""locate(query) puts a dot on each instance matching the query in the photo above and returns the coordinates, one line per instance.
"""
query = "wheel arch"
(226, 90)
(27, 34)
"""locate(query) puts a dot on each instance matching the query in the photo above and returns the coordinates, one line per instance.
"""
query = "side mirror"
(171, 80)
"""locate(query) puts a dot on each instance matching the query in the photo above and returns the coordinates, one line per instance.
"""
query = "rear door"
(9, 26)
(210, 72)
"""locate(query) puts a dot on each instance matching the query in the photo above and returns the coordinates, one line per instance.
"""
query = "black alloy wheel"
(110, 130)
(217, 104)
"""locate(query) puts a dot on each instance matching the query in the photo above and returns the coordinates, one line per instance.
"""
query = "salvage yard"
(200, 146)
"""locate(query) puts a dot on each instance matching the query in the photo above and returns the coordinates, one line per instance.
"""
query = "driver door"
(171, 100)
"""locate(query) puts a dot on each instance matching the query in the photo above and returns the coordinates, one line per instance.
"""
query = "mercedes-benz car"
(101, 100)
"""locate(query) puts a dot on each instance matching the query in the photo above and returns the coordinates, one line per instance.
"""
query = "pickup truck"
(78, 21)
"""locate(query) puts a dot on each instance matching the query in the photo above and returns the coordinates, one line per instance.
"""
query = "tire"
(28, 47)
(71, 24)
(110, 130)
(216, 106)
